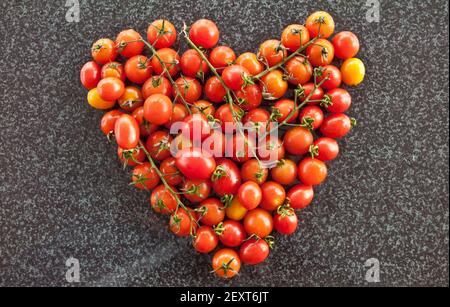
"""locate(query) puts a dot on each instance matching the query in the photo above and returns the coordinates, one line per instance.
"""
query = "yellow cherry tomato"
(98, 102)
(353, 71)
(236, 211)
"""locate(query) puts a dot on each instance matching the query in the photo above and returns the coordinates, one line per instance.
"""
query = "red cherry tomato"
(182, 223)
(273, 195)
(222, 56)
(328, 149)
(250, 195)
(250, 61)
(285, 108)
(226, 178)
(196, 190)
(195, 164)
(162, 201)
(189, 88)
(166, 59)
(272, 52)
(158, 145)
(206, 240)
(341, 101)
(300, 196)
(336, 126)
(126, 131)
(249, 97)
(226, 263)
(192, 64)
(144, 176)
(195, 127)
(334, 75)
(145, 127)
(257, 118)
(253, 171)
(104, 51)
(313, 112)
(297, 140)
(213, 211)
(161, 34)
(231, 233)
(128, 43)
(258, 222)
(110, 89)
(90, 75)
(109, 121)
(286, 224)
(234, 76)
(254, 251)
(315, 96)
(346, 45)
(204, 33)
(157, 85)
(138, 69)
(170, 172)
(312, 171)
(299, 70)
(225, 115)
(285, 172)
(131, 157)
(179, 113)
(214, 90)
(158, 109)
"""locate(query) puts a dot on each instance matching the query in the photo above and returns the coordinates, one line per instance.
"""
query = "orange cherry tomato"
(221, 57)
(169, 58)
(285, 172)
(97, 102)
(236, 211)
(226, 263)
(272, 52)
(312, 171)
(258, 222)
(250, 61)
(297, 140)
(115, 70)
(320, 23)
(104, 51)
(294, 36)
(249, 195)
(129, 44)
(131, 99)
(212, 211)
(299, 70)
(321, 53)
(273, 195)
(253, 171)
(158, 109)
(273, 85)
(109, 120)
(110, 89)
(157, 85)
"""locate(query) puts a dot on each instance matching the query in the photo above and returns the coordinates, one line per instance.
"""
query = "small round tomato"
(162, 201)
(340, 101)
(196, 190)
(195, 127)
(271, 150)
(126, 131)
(294, 36)
(221, 57)
(214, 90)
(203, 107)
(314, 113)
(131, 99)
(114, 70)
(170, 172)
(300, 196)
(129, 43)
(226, 263)
(189, 88)
(231, 233)
(182, 223)
(327, 148)
(253, 171)
(346, 45)
(206, 240)
(192, 64)
(250, 61)
(273, 195)
(334, 77)
(138, 69)
(283, 109)
(236, 211)
(212, 211)
(320, 53)
(158, 109)
(286, 223)
(104, 51)
(235, 77)
(273, 85)
(297, 140)
(157, 85)
(257, 119)
(110, 89)
(299, 70)
(144, 176)
(109, 121)
(312, 171)
(158, 145)
(285, 172)
(131, 157)
(145, 127)
(225, 116)
(242, 146)
(226, 178)
(315, 97)
(250, 195)
(320, 24)
(215, 144)
(90, 75)
(179, 113)
(204, 33)
(254, 251)
(249, 97)
(272, 52)
(166, 58)
(195, 164)
(161, 33)
(336, 126)
(353, 71)
(258, 222)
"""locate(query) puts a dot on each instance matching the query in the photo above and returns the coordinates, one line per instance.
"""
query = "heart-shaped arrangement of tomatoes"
(229, 147)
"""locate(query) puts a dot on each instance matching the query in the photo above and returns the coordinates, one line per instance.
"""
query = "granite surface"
(63, 193)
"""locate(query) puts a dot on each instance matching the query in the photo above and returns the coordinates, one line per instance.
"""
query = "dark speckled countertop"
(63, 193)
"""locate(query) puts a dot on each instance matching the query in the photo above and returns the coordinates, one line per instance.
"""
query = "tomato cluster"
(216, 197)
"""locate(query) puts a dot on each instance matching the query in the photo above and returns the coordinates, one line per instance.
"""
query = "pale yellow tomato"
(236, 211)
(353, 71)
(98, 102)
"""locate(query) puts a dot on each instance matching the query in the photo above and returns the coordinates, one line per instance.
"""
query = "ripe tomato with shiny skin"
(188, 88)
(297, 140)
(192, 64)
(328, 148)
(341, 100)
(272, 52)
(90, 75)
(158, 145)
(204, 33)
(273, 85)
(182, 223)
(161, 33)
(157, 85)
(321, 24)
(346, 45)
(212, 211)
(131, 99)
(131, 157)
(313, 112)
(144, 176)
(214, 90)
(226, 263)
(258, 222)
(126, 132)
(285, 224)
(170, 172)
(273, 195)
(195, 164)
(104, 51)
(221, 57)
(250, 195)
(299, 70)
(162, 201)
(166, 58)
(320, 53)
(226, 178)
(250, 61)
(231, 234)
(254, 251)
(206, 240)
(252, 170)
(109, 121)
(236, 211)
(196, 190)
(129, 44)
(336, 126)
(334, 77)
(300, 196)
(158, 109)
(312, 171)
(115, 70)
(294, 36)
(138, 69)
(285, 172)
(110, 89)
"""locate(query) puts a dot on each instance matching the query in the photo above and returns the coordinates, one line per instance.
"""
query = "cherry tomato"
(206, 240)
(250, 195)
(114, 70)
(249, 97)
(320, 24)
(336, 126)
(90, 75)
(169, 58)
(203, 107)
(328, 149)
(189, 88)
(192, 64)
(196, 190)
(234, 77)
(285, 172)
(341, 101)
(353, 71)
(182, 223)
(236, 211)
(272, 52)
(313, 112)
(300, 196)
(297, 140)
(231, 233)
(195, 164)
(104, 51)
(126, 131)
(162, 201)
(110, 89)
(294, 36)
(312, 171)
(144, 176)
(131, 157)
(241, 148)
(320, 53)
(226, 263)
(250, 61)
(285, 108)
(131, 99)
(161, 34)
(271, 150)
(214, 211)
(315, 96)
(257, 118)
(196, 128)
(273, 85)
(273, 195)
(144, 126)
(258, 222)
(204, 33)
(226, 178)
(179, 113)
(253, 171)
(170, 172)
(286, 224)
(157, 85)
(346, 45)
(221, 57)
(215, 144)
(214, 90)
(128, 43)
(254, 251)
(299, 70)
(334, 75)
(158, 109)
(158, 145)
(138, 69)
(225, 116)
(109, 121)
